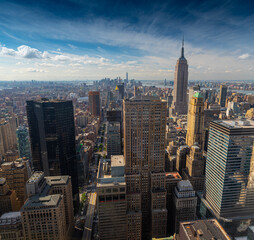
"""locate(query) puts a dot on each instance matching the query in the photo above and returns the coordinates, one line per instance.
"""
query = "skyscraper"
(195, 129)
(195, 168)
(23, 142)
(180, 101)
(111, 189)
(113, 139)
(52, 134)
(121, 90)
(192, 90)
(185, 203)
(94, 103)
(223, 95)
(229, 168)
(144, 152)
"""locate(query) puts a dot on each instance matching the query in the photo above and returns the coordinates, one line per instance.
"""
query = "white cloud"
(244, 56)
(7, 51)
(23, 51)
(28, 52)
(72, 46)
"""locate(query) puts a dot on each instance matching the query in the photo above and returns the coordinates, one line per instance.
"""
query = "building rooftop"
(10, 215)
(117, 161)
(184, 185)
(203, 230)
(174, 175)
(198, 95)
(57, 180)
(50, 201)
(10, 218)
(35, 177)
(236, 123)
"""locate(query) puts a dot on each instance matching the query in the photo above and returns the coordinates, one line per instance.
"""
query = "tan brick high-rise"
(180, 101)
(16, 175)
(195, 129)
(144, 151)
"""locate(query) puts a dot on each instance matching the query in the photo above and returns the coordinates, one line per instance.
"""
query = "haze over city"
(90, 40)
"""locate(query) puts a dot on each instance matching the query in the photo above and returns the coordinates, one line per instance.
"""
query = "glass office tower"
(229, 168)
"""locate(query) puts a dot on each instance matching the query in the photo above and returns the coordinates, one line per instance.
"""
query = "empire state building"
(180, 104)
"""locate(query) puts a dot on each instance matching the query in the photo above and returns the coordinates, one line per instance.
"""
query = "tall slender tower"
(144, 152)
(195, 121)
(223, 95)
(180, 104)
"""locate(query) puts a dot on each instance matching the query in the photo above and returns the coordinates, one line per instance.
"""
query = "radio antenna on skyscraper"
(182, 47)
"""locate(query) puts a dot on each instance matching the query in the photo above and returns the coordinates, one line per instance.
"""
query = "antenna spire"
(182, 48)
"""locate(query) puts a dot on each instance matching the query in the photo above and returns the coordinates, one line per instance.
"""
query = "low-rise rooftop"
(203, 230)
(50, 201)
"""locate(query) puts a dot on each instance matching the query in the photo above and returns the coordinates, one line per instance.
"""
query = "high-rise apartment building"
(180, 101)
(16, 174)
(195, 126)
(23, 141)
(113, 132)
(94, 103)
(229, 171)
(52, 134)
(8, 199)
(185, 203)
(223, 95)
(111, 199)
(144, 152)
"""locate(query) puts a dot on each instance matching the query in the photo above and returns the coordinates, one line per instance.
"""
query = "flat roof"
(10, 215)
(117, 161)
(175, 175)
(236, 123)
(35, 176)
(50, 201)
(56, 180)
(205, 229)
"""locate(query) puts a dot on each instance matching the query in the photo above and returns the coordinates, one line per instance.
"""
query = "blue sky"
(79, 39)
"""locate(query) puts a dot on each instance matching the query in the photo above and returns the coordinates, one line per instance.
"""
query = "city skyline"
(79, 40)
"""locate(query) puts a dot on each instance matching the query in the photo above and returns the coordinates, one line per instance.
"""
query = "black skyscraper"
(52, 134)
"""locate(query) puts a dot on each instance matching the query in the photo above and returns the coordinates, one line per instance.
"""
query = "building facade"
(229, 168)
(23, 141)
(94, 103)
(195, 129)
(223, 95)
(111, 199)
(11, 226)
(144, 120)
(8, 198)
(52, 134)
(16, 174)
(185, 203)
(48, 212)
(113, 132)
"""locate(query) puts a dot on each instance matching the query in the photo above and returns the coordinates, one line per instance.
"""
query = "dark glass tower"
(52, 135)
